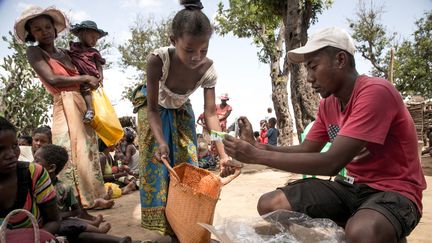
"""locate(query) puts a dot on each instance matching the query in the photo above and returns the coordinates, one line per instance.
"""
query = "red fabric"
(84, 59)
(222, 112)
(376, 113)
(60, 69)
(263, 134)
(26, 235)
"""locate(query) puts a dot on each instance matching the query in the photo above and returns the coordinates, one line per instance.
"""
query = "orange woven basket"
(192, 197)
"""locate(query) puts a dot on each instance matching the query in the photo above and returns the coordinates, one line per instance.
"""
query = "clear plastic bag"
(278, 226)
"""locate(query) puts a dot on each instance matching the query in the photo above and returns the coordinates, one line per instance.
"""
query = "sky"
(240, 74)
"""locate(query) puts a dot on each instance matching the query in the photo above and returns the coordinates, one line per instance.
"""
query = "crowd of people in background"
(57, 173)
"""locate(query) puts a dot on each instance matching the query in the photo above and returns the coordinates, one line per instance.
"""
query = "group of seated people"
(206, 154)
(33, 185)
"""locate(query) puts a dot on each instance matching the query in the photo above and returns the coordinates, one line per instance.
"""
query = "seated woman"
(24, 186)
(114, 178)
(131, 155)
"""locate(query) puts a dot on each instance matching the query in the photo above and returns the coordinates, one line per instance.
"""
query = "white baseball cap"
(332, 36)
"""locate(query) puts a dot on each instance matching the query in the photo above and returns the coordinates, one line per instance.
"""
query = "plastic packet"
(217, 136)
(278, 226)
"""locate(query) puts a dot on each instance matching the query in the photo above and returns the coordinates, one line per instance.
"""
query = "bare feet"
(101, 203)
(109, 194)
(99, 219)
(104, 228)
(85, 215)
(129, 188)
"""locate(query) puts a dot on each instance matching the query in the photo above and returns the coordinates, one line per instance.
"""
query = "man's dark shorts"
(339, 201)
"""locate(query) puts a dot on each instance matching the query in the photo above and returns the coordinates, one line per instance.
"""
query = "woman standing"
(61, 79)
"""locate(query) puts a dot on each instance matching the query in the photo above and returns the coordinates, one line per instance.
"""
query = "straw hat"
(224, 96)
(60, 21)
(87, 24)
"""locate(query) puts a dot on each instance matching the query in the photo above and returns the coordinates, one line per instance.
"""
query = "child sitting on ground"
(113, 175)
(205, 158)
(87, 59)
(53, 158)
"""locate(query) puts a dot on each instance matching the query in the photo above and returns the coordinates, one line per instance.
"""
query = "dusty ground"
(239, 198)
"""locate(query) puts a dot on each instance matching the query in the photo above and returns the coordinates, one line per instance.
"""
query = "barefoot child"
(173, 74)
(87, 59)
(113, 176)
(53, 158)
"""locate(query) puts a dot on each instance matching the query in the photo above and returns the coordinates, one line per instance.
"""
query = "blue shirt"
(272, 134)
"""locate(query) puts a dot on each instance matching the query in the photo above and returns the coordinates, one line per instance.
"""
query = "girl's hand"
(162, 152)
(225, 168)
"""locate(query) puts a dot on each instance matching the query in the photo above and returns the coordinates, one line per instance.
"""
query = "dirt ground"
(238, 199)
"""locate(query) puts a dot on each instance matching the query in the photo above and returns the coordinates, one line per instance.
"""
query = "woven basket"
(192, 197)
(33, 220)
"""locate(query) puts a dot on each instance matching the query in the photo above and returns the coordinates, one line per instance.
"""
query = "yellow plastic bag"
(116, 191)
(105, 122)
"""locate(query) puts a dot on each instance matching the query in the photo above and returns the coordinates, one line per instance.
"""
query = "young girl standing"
(174, 73)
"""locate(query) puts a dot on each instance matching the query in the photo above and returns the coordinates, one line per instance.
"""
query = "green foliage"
(146, 35)
(251, 19)
(24, 101)
(413, 61)
(261, 20)
(373, 40)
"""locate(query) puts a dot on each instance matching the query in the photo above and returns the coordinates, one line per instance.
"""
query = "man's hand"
(239, 149)
(245, 130)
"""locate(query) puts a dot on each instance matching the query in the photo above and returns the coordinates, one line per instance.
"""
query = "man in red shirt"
(372, 135)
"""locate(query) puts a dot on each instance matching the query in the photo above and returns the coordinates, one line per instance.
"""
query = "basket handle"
(170, 169)
(33, 220)
(228, 179)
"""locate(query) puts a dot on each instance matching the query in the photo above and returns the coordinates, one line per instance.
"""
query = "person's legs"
(103, 228)
(89, 237)
(96, 222)
(101, 203)
(272, 201)
(383, 217)
(368, 225)
(129, 188)
(89, 115)
(315, 197)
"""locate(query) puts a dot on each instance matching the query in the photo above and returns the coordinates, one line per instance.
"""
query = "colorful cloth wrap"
(179, 132)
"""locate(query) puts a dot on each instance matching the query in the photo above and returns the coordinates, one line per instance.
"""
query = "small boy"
(87, 59)
(272, 133)
(205, 158)
(53, 158)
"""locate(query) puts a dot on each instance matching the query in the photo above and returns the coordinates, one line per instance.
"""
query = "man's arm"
(246, 134)
(342, 151)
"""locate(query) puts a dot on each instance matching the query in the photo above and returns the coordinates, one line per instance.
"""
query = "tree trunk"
(280, 102)
(279, 79)
(304, 100)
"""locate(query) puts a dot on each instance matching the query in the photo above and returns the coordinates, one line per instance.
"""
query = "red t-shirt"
(376, 113)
